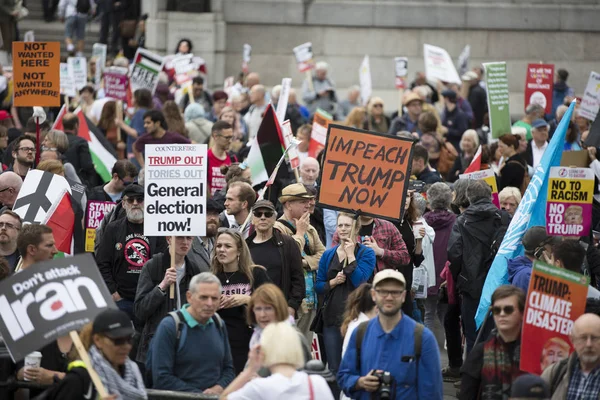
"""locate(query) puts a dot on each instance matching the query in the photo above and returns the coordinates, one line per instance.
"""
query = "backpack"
(83, 6)
(526, 177)
(179, 324)
(497, 238)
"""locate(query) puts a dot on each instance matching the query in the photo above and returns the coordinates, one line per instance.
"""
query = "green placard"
(497, 97)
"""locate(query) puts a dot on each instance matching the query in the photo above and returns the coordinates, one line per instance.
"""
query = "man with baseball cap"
(391, 348)
(537, 146)
(528, 387)
(295, 222)
(409, 120)
(538, 246)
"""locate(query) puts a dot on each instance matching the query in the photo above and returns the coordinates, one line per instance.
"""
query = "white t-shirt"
(278, 387)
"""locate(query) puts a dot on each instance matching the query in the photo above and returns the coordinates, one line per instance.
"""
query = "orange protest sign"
(36, 74)
(365, 172)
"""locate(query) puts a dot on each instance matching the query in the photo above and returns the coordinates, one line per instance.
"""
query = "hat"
(450, 94)
(535, 237)
(213, 205)
(538, 123)
(412, 96)
(295, 191)
(113, 323)
(219, 95)
(4, 115)
(133, 190)
(264, 204)
(389, 274)
(469, 76)
(529, 387)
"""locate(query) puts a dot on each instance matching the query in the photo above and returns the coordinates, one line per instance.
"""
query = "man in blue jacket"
(392, 346)
(538, 246)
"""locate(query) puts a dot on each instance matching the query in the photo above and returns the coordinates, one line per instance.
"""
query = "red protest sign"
(539, 83)
(555, 299)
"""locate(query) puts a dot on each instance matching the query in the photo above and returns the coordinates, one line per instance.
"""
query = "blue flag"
(531, 212)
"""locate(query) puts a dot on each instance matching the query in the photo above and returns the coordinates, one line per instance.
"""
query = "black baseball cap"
(529, 386)
(213, 205)
(133, 190)
(113, 323)
(535, 237)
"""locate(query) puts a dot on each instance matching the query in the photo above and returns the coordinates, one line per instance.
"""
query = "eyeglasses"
(584, 339)
(496, 310)
(121, 341)
(267, 214)
(226, 137)
(386, 293)
(378, 105)
(7, 225)
(27, 149)
(133, 199)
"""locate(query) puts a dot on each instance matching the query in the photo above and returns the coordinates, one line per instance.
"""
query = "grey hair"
(533, 109)
(560, 111)
(420, 202)
(141, 176)
(354, 88)
(322, 65)
(478, 190)
(204, 277)
(460, 190)
(439, 196)
(276, 92)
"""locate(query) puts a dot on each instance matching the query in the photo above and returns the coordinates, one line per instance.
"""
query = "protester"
(124, 249)
(23, 152)
(377, 121)
(351, 102)
(421, 168)
(10, 226)
(421, 80)
(303, 135)
(341, 270)
(123, 174)
(441, 153)
(174, 118)
(239, 277)
(572, 140)
(239, 201)
(78, 153)
(529, 387)
(494, 364)
(514, 169)
(577, 377)
(10, 184)
(537, 146)
(408, 121)
(199, 95)
(156, 133)
(454, 120)
(321, 93)
(309, 171)
(74, 14)
(142, 102)
(510, 198)
(477, 97)
(240, 130)
(35, 243)
(254, 116)
(568, 254)
(357, 118)
(532, 112)
(469, 247)
(278, 253)
(280, 350)
(377, 347)
(561, 92)
(175, 361)
(202, 246)
(222, 134)
(196, 124)
(469, 143)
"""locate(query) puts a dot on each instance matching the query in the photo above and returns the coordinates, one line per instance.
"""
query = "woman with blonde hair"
(469, 143)
(175, 122)
(233, 265)
(510, 197)
(356, 118)
(377, 121)
(240, 130)
(280, 351)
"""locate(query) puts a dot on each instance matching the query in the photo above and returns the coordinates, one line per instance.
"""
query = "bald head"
(257, 94)
(309, 171)
(252, 79)
(10, 185)
(585, 322)
(586, 341)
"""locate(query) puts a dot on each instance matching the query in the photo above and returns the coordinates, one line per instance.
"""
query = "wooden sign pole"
(83, 354)
(172, 250)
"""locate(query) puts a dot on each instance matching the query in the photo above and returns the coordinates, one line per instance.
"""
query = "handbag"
(128, 28)
(317, 323)
(448, 155)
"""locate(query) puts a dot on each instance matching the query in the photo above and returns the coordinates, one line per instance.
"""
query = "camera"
(385, 385)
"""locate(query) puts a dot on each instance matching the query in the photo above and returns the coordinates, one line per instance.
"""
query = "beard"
(389, 313)
(589, 358)
(135, 215)
(25, 162)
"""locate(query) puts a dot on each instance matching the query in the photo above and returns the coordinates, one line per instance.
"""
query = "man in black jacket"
(278, 253)
(469, 250)
(124, 249)
(78, 153)
(123, 173)
(153, 300)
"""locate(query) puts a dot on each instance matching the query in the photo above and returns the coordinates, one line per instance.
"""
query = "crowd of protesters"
(275, 277)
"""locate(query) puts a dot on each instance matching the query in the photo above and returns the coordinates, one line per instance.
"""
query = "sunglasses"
(122, 340)
(139, 199)
(497, 310)
(267, 214)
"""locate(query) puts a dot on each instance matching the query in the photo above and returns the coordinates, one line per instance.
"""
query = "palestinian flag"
(102, 152)
(266, 149)
(145, 70)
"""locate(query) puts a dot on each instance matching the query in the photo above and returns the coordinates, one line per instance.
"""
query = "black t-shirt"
(136, 251)
(52, 359)
(267, 255)
(12, 260)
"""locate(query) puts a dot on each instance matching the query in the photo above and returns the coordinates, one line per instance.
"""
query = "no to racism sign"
(569, 205)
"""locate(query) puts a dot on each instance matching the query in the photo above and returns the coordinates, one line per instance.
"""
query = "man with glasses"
(24, 155)
(278, 253)
(578, 377)
(218, 155)
(10, 226)
(493, 364)
(10, 185)
(124, 173)
(123, 249)
(391, 348)
(35, 244)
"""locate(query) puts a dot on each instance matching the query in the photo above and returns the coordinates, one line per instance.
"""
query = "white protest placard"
(304, 57)
(66, 81)
(463, 60)
(78, 67)
(439, 65)
(288, 135)
(145, 70)
(246, 52)
(401, 70)
(99, 50)
(286, 84)
(364, 76)
(175, 187)
(29, 36)
(590, 103)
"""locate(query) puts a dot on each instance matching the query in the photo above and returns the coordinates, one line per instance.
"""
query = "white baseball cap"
(389, 274)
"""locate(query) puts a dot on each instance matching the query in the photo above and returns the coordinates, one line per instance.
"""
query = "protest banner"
(364, 77)
(185, 67)
(96, 211)
(288, 135)
(569, 206)
(496, 80)
(304, 57)
(555, 299)
(539, 83)
(318, 135)
(590, 103)
(489, 177)
(463, 60)
(282, 103)
(115, 84)
(145, 70)
(99, 50)
(67, 87)
(401, 68)
(365, 172)
(315, 349)
(439, 65)
(36, 74)
(246, 53)
(78, 67)
(48, 300)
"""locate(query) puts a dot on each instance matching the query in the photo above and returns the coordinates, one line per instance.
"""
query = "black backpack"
(83, 6)
(500, 228)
